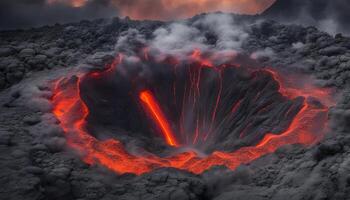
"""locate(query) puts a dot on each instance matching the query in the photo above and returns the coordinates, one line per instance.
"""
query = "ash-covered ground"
(36, 162)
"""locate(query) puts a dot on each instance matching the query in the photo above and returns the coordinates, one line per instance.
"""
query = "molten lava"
(151, 104)
(70, 109)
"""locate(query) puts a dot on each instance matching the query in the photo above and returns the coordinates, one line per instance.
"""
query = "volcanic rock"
(6, 51)
(33, 170)
(26, 53)
(328, 148)
(100, 59)
(31, 120)
(6, 138)
(179, 194)
(40, 59)
(2, 80)
(55, 144)
(18, 153)
(54, 51)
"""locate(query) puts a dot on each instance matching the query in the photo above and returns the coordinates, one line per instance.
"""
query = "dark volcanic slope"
(35, 163)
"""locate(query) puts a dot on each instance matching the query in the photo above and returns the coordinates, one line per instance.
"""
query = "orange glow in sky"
(176, 9)
(73, 3)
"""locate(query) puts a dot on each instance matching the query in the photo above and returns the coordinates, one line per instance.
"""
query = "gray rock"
(159, 177)
(6, 51)
(10, 63)
(60, 172)
(5, 138)
(40, 58)
(330, 51)
(31, 120)
(58, 186)
(14, 77)
(26, 53)
(40, 105)
(253, 193)
(70, 29)
(33, 170)
(179, 194)
(328, 148)
(38, 147)
(54, 51)
(18, 153)
(29, 185)
(340, 119)
(2, 80)
(100, 59)
(55, 144)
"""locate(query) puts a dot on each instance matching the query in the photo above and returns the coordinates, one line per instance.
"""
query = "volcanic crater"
(188, 114)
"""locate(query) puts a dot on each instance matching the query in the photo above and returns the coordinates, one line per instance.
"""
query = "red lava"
(152, 106)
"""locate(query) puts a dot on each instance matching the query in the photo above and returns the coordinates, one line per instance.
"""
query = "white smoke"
(181, 38)
(178, 39)
(267, 52)
(230, 35)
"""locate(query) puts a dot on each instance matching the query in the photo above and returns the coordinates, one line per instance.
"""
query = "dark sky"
(30, 13)
(329, 15)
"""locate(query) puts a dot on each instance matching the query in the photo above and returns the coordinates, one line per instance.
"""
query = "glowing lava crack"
(305, 128)
(152, 105)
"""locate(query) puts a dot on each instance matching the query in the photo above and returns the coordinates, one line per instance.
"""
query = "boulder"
(101, 59)
(26, 53)
(31, 120)
(6, 51)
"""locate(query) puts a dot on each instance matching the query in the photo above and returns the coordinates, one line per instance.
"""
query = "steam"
(267, 52)
(178, 39)
(217, 35)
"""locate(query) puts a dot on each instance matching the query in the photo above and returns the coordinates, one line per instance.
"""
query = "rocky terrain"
(36, 163)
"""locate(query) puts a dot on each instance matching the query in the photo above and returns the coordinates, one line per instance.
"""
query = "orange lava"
(71, 111)
(198, 57)
(151, 104)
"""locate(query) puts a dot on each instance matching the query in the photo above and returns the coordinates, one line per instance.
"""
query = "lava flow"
(151, 104)
(71, 110)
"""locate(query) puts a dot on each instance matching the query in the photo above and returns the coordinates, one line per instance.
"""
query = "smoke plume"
(216, 34)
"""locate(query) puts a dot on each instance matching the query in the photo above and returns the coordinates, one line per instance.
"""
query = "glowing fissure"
(72, 112)
(155, 111)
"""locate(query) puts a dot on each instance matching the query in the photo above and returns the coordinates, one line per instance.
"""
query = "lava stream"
(152, 105)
